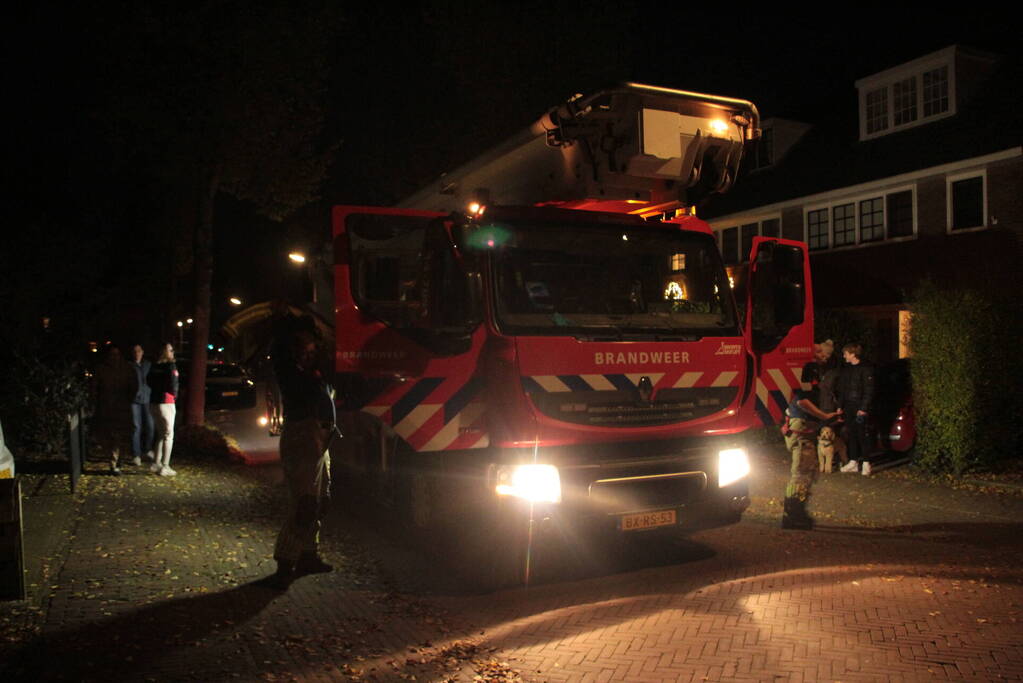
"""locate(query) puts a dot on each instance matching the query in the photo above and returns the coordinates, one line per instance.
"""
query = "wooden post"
(12, 553)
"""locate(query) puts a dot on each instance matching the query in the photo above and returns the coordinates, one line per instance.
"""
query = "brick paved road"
(156, 582)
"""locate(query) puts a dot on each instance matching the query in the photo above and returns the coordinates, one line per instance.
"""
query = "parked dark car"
(893, 415)
(229, 387)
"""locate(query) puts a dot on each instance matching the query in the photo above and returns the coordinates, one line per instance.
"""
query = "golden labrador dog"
(830, 444)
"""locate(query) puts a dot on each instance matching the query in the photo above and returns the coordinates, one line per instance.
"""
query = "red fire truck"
(546, 341)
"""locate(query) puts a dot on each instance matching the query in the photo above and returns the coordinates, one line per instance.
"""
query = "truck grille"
(634, 494)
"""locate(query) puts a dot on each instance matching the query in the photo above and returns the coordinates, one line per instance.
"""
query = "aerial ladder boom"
(630, 149)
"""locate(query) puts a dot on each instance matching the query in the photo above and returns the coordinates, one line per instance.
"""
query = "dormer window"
(908, 95)
(904, 101)
(877, 110)
(936, 91)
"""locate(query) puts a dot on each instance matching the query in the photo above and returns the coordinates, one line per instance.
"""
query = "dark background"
(96, 234)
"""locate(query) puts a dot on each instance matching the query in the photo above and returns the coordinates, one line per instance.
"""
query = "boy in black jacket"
(855, 390)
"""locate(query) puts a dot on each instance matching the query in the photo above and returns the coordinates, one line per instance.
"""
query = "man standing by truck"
(309, 424)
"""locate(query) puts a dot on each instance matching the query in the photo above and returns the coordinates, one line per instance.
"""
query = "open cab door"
(408, 316)
(779, 322)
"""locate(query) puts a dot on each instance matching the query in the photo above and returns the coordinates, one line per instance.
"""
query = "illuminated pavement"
(156, 580)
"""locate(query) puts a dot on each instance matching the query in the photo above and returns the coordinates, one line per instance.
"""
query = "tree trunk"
(196, 405)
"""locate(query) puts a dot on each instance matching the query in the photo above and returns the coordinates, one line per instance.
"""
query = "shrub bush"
(204, 442)
(39, 396)
(965, 374)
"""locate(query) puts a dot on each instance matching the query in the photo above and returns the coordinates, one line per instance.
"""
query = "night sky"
(412, 91)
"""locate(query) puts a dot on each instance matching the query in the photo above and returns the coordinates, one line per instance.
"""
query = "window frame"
(985, 217)
(857, 203)
(912, 79)
(719, 235)
(945, 96)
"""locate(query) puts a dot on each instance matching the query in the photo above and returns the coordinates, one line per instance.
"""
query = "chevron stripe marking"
(762, 395)
(598, 382)
(725, 379)
(780, 382)
(798, 374)
(450, 432)
(416, 418)
(551, 383)
(414, 397)
(687, 380)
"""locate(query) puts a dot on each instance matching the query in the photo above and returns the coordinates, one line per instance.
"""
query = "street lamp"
(317, 265)
(181, 333)
(299, 259)
(235, 301)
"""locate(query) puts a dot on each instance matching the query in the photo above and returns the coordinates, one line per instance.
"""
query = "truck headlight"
(535, 483)
(733, 465)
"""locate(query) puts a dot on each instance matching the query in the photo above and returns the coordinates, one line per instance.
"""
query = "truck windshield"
(596, 280)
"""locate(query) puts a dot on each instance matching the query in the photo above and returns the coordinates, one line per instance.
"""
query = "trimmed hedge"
(966, 372)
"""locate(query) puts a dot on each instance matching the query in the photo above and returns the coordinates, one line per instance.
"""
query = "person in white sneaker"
(163, 380)
(855, 390)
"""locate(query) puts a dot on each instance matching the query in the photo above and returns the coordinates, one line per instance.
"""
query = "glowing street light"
(297, 257)
(235, 301)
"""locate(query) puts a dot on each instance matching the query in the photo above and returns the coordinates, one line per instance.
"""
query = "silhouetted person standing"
(309, 424)
(141, 418)
(113, 393)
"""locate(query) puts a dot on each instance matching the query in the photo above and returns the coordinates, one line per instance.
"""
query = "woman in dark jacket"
(163, 380)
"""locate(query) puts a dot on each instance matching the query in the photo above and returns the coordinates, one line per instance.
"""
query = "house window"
(730, 245)
(877, 110)
(678, 263)
(861, 221)
(967, 196)
(817, 229)
(905, 97)
(844, 219)
(872, 219)
(900, 214)
(749, 231)
(770, 227)
(935, 93)
(904, 101)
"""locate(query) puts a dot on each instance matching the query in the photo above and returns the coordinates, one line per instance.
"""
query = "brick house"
(923, 180)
